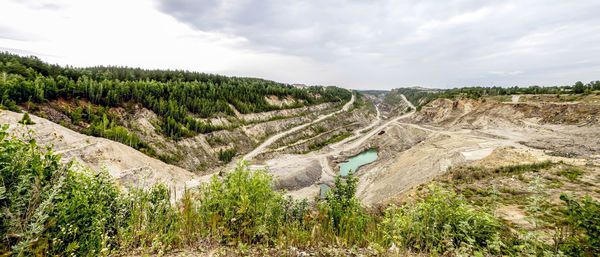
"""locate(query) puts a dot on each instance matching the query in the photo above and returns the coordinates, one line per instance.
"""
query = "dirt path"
(357, 132)
(515, 98)
(274, 138)
(292, 167)
(364, 138)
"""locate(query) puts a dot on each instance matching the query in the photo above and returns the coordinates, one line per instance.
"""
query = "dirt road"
(303, 172)
(354, 144)
(274, 138)
(515, 98)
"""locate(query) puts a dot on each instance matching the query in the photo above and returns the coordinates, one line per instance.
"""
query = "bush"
(148, 219)
(49, 209)
(343, 215)
(442, 222)
(244, 207)
(26, 120)
(583, 233)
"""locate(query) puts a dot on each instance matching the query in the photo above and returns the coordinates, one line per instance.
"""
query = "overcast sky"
(374, 44)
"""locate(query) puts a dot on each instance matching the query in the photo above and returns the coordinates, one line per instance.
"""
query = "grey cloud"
(9, 33)
(432, 43)
(41, 4)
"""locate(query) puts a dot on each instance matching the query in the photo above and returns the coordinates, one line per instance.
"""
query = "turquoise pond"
(352, 164)
(356, 161)
(324, 189)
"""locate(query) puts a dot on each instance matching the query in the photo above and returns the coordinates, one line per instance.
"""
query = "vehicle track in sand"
(274, 138)
(283, 164)
(337, 148)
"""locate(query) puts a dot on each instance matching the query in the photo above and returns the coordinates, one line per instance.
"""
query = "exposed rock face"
(305, 174)
(448, 133)
(126, 165)
(562, 127)
(469, 113)
(198, 154)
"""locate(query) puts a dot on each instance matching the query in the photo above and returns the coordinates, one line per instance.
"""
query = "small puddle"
(356, 161)
(324, 190)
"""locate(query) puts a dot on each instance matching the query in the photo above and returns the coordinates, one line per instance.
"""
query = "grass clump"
(473, 173)
(570, 173)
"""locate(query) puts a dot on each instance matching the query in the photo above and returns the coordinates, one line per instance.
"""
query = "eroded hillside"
(448, 133)
(127, 166)
(193, 120)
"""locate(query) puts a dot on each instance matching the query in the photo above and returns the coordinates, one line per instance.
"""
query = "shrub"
(442, 222)
(26, 120)
(342, 215)
(148, 219)
(48, 209)
(583, 219)
(244, 207)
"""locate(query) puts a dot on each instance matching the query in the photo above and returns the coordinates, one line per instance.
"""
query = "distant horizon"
(289, 83)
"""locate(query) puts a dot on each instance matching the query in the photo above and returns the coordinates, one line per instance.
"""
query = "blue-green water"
(356, 161)
(324, 189)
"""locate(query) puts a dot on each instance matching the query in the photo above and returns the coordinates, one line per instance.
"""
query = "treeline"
(52, 210)
(421, 96)
(178, 97)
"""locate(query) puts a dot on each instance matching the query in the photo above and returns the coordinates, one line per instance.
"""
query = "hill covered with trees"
(178, 97)
(104, 101)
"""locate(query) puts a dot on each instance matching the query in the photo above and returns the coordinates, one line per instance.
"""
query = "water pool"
(356, 161)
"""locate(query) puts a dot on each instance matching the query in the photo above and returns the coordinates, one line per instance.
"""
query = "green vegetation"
(52, 209)
(26, 120)
(556, 230)
(422, 96)
(582, 227)
(177, 97)
(472, 173)
(227, 155)
(344, 217)
(318, 145)
(570, 173)
(443, 222)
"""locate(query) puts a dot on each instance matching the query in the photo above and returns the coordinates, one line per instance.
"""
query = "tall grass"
(442, 222)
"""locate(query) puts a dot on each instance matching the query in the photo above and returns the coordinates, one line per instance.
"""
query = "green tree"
(26, 120)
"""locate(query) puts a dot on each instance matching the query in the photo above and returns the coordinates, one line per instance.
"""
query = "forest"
(179, 98)
(420, 96)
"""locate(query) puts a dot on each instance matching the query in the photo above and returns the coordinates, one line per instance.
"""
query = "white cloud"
(358, 44)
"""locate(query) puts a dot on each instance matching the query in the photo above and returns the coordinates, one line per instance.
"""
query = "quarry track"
(301, 173)
(274, 138)
(361, 139)
(416, 147)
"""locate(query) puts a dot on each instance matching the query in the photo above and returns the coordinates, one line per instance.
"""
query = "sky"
(358, 44)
